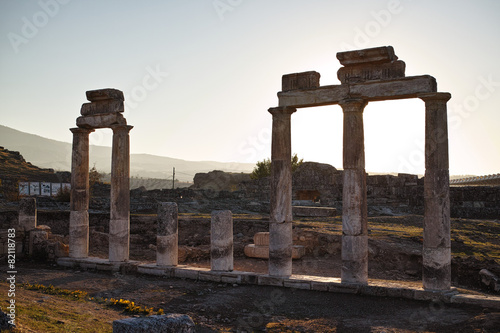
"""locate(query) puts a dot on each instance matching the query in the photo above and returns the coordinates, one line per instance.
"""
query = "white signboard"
(24, 188)
(55, 188)
(45, 189)
(34, 188)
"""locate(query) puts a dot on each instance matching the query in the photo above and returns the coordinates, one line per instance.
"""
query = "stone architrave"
(119, 224)
(221, 241)
(436, 253)
(354, 202)
(280, 224)
(167, 235)
(27, 214)
(79, 215)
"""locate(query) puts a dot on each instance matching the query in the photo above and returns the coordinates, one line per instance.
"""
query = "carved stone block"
(295, 81)
(104, 94)
(372, 55)
(371, 72)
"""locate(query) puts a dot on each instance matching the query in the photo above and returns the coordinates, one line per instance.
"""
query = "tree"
(263, 168)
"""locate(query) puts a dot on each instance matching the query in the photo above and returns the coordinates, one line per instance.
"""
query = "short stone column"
(27, 214)
(79, 205)
(437, 243)
(280, 224)
(354, 202)
(221, 241)
(119, 223)
(167, 239)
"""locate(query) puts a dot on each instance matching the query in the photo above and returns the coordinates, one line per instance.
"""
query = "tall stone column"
(79, 206)
(119, 224)
(167, 243)
(437, 243)
(280, 224)
(354, 203)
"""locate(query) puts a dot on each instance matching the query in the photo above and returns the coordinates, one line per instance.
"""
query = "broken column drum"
(221, 240)
(104, 111)
(27, 214)
(367, 75)
(167, 236)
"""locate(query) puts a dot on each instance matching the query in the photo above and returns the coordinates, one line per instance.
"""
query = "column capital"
(437, 96)
(121, 127)
(353, 104)
(281, 110)
(81, 130)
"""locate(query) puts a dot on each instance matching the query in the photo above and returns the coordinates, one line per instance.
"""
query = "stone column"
(119, 223)
(27, 214)
(221, 241)
(354, 203)
(437, 243)
(79, 214)
(280, 224)
(167, 238)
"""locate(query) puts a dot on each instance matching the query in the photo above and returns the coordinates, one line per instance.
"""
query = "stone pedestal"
(280, 224)
(79, 215)
(354, 202)
(221, 241)
(167, 238)
(27, 214)
(119, 223)
(437, 243)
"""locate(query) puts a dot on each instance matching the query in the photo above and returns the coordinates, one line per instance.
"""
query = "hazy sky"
(199, 75)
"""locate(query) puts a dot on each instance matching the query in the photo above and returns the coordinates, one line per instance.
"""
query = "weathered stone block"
(261, 239)
(168, 323)
(102, 107)
(295, 81)
(371, 72)
(372, 55)
(262, 251)
(104, 94)
(306, 211)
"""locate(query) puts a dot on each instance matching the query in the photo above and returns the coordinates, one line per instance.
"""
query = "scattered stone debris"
(168, 323)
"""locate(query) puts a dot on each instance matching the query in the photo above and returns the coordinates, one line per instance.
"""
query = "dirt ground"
(217, 307)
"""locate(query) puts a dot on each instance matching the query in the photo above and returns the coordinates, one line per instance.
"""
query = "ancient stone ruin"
(104, 111)
(368, 75)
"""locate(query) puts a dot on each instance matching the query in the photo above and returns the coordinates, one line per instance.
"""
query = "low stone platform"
(311, 211)
(380, 288)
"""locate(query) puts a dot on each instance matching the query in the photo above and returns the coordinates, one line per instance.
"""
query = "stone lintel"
(304, 80)
(407, 87)
(371, 55)
(101, 120)
(104, 94)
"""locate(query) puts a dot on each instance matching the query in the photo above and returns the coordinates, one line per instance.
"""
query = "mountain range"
(48, 153)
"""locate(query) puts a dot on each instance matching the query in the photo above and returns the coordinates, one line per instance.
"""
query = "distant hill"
(48, 153)
(14, 167)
